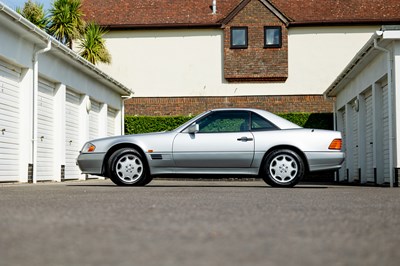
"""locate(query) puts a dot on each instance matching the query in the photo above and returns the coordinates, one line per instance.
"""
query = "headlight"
(89, 147)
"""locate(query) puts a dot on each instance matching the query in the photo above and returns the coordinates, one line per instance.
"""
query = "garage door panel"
(72, 129)
(355, 145)
(9, 141)
(8, 116)
(111, 116)
(9, 122)
(9, 99)
(386, 158)
(8, 153)
(94, 120)
(45, 160)
(369, 139)
(343, 169)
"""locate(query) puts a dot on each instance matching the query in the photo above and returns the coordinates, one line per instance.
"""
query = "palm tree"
(66, 20)
(35, 13)
(92, 45)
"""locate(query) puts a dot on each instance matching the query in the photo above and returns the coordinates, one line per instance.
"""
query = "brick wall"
(255, 63)
(164, 106)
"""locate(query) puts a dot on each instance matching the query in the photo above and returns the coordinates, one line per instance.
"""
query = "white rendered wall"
(189, 62)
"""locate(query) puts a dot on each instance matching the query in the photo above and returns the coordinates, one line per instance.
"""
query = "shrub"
(146, 124)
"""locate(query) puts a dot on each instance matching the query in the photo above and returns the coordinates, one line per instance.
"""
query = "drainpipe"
(35, 107)
(124, 99)
(389, 67)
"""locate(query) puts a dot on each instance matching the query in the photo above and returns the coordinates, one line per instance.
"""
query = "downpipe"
(35, 108)
(124, 99)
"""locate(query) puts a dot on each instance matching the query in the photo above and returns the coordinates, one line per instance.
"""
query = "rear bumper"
(320, 161)
(91, 163)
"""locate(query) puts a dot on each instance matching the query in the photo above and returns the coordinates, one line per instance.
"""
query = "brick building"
(186, 56)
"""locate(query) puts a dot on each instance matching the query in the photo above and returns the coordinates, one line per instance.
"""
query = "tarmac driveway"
(198, 223)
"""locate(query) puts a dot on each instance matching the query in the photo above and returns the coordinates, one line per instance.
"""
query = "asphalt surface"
(198, 223)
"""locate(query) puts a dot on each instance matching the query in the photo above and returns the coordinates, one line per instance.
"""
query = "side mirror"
(194, 128)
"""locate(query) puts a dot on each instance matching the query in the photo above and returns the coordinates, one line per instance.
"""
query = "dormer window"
(239, 38)
(272, 37)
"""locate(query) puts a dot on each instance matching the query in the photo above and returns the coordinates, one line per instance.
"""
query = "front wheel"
(126, 167)
(283, 168)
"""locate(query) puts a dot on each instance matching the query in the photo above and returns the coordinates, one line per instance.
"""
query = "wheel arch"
(122, 146)
(287, 147)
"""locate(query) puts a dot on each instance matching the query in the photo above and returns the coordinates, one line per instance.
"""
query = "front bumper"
(91, 163)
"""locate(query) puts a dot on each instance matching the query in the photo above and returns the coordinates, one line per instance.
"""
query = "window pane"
(224, 122)
(259, 123)
(272, 36)
(239, 37)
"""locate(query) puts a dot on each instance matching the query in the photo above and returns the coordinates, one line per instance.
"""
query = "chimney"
(214, 6)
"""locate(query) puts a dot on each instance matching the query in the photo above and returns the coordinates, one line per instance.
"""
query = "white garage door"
(94, 120)
(111, 115)
(45, 152)
(342, 126)
(369, 138)
(72, 130)
(385, 111)
(354, 147)
(9, 122)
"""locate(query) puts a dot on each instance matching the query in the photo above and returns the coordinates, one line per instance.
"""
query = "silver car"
(222, 141)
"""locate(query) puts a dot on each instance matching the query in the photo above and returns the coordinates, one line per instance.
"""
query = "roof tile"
(198, 12)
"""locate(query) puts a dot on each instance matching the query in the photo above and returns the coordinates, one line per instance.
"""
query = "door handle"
(244, 139)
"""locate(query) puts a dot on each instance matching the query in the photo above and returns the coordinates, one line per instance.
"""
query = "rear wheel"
(126, 167)
(283, 168)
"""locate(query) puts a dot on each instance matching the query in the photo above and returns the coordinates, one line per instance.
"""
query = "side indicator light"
(336, 144)
(91, 148)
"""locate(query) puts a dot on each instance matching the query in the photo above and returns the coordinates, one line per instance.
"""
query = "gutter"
(377, 35)
(343, 22)
(35, 107)
(162, 26)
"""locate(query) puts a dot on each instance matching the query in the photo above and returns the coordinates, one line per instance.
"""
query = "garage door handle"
(2, 131)
(244, 139)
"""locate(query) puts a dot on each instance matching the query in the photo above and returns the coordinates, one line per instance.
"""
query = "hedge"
(146, 124)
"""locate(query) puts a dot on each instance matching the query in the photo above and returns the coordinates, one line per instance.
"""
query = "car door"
(222, 141)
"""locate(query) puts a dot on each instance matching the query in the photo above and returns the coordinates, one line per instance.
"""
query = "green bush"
(311, 120)
(145, 124)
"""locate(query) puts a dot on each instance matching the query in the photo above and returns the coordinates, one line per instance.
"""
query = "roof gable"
(266, 3)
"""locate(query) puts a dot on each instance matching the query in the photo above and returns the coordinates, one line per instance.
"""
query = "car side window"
(224, 121)
(259, 123)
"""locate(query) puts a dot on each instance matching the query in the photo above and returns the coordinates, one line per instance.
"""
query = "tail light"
(336, 144)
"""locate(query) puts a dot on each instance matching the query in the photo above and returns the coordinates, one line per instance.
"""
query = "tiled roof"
(167, 13)
(156, 12)
(340, 11)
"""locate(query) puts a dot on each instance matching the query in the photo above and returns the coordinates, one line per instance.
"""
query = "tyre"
(126, 167)
(283, 168)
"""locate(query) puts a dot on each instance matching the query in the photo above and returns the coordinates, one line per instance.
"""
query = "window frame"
(246, 36)
(278, 45)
